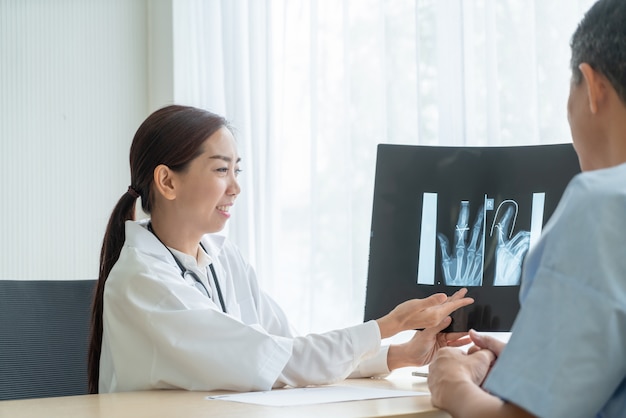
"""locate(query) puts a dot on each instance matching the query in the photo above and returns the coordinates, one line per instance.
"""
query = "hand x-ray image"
(463, 258)
(450, 217)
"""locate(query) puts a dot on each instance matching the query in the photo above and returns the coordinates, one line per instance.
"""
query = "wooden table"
(175, 403)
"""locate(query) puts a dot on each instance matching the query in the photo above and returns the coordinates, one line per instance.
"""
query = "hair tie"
(131, 191)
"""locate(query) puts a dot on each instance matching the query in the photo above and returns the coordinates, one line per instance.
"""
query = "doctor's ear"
(163, 184)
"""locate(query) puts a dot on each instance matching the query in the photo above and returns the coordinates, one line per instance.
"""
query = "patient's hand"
(485, 342)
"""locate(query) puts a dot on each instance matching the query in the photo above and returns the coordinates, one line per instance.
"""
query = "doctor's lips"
(224, 208)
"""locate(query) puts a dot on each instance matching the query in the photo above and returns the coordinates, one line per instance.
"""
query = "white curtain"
(312, 87)
(222, 63)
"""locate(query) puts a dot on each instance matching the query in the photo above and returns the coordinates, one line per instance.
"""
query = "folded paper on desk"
(314, 395)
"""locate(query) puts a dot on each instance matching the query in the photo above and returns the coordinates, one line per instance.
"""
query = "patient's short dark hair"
(600, 41)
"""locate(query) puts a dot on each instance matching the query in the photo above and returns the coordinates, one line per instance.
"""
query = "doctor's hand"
(421, 349)
(422, 313)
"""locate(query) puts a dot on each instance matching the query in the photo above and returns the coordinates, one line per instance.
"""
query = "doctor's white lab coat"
(161, 332)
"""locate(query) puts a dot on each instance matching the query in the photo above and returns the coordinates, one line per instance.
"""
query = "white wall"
(74, 87)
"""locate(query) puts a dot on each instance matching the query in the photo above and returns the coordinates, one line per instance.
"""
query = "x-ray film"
(450, 217)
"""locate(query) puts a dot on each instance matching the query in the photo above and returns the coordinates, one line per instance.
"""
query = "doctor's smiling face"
(207, 188)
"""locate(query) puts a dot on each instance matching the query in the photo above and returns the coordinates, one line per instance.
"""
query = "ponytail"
(111, 247)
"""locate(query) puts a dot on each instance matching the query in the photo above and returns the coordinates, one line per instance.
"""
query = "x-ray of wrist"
(463, 257)
(510, 252)
(464, 267)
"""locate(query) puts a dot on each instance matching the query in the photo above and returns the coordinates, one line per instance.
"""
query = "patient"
(567, 353)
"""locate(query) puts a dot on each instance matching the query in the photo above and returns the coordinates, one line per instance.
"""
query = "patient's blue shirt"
(567, 352)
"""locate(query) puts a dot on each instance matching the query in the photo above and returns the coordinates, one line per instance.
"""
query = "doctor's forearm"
(398, 357)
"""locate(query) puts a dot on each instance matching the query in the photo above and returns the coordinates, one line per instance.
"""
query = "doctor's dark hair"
(172, 136)
(600, 41)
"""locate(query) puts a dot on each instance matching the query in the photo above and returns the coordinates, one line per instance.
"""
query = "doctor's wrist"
(388, 326)
(398, 356)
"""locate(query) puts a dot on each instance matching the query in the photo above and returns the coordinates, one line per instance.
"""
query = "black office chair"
(44, 333)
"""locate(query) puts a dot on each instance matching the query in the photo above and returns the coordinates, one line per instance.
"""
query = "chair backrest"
(44, 332)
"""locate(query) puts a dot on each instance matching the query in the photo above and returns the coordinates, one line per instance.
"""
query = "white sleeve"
(375, 366)
(331, 356)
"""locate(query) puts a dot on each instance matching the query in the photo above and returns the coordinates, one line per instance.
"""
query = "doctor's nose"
(233, 188)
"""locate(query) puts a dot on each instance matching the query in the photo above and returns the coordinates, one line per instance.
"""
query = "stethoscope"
(184, 272)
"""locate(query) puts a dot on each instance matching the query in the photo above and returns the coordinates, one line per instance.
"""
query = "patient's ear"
(597, 87)
(163, 184)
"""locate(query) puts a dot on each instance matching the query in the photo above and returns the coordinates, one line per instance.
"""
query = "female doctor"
(179, 307)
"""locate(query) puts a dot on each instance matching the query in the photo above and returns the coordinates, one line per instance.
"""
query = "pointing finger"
(434, 300)
(458, 294)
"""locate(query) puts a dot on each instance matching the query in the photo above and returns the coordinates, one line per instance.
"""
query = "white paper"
(314, 395)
